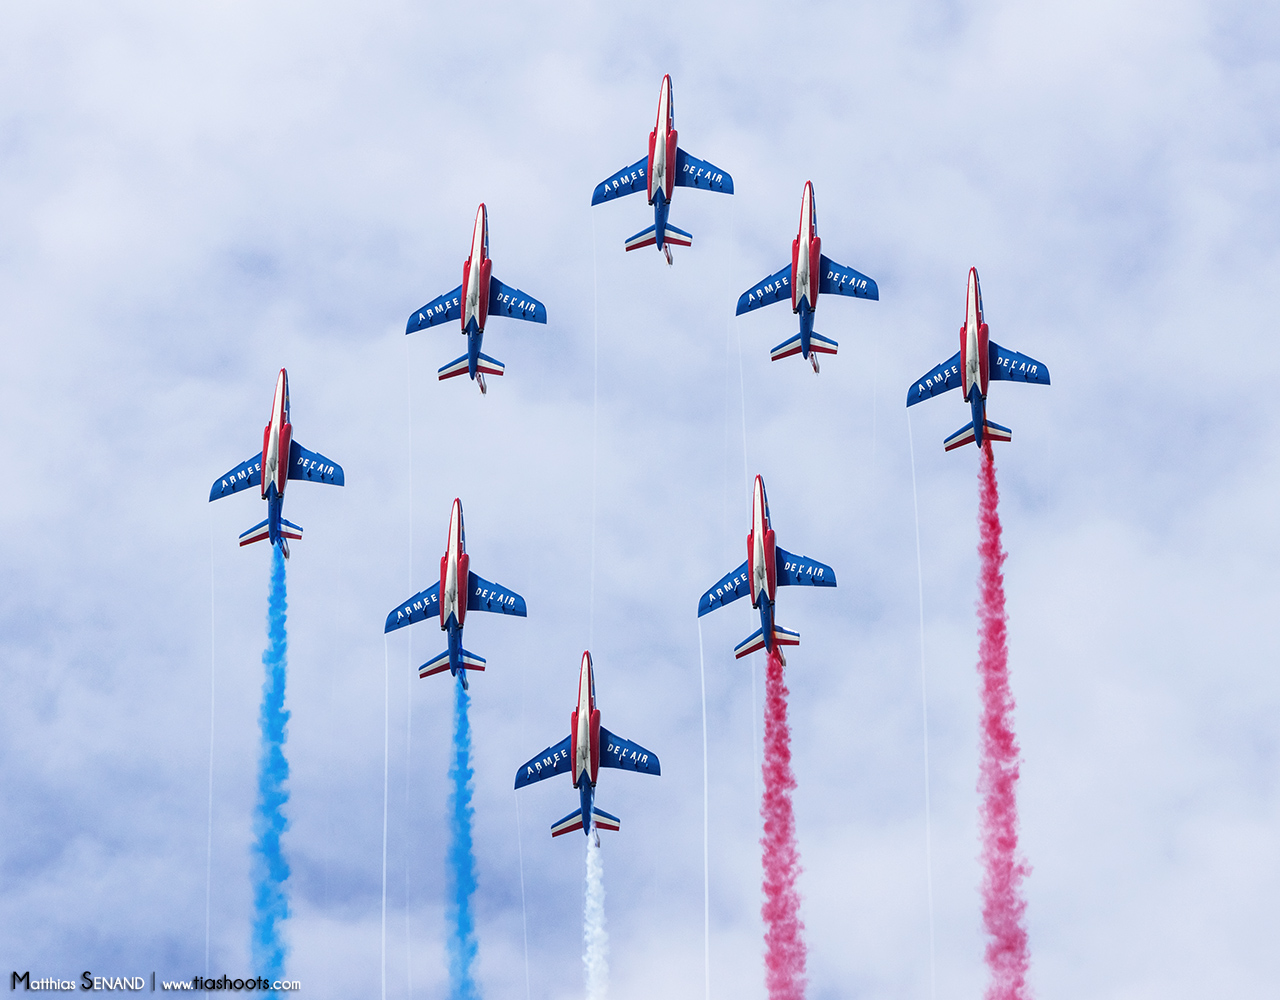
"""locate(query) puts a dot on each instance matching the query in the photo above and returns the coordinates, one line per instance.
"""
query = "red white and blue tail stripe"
(600, 820)
(755, 641)
(440, 664)
(670, 234)
(965, 435)
(461, 366)
(818, 344)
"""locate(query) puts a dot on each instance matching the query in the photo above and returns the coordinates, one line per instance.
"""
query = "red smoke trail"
(1003, 908)
(784, 954)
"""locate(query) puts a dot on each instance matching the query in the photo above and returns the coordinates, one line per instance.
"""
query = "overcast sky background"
(194, 195)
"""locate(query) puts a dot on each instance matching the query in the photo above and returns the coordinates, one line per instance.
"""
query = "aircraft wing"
(312, 465)
(945, 376)
(247, 473)
(617, 752)
(797, 571)
(628, 180)
(1014, 367)
(735, 584)
(772, 289)
(695, 173)
(439, 310)
(553, 760)
(485, 596)
(837, 279)
(512, 302)
(417, 608)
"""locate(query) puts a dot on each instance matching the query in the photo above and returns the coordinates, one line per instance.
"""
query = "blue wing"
(840, 280)
(247, 473)
(512, 302)
(772, 289)
(553, 760)
(485, 596)
(439, 310)
(628, 180)
(417, 608)
(617, 752)
(1010, 366)
(735, 584)
(946, 376)
(801, 571)
(312, 465)
(695, 173)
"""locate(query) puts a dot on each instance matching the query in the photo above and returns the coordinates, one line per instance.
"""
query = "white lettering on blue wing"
(859, 284)
(418, 607)
(549, 761)
(308, 464)
(1013, 363)
(804, 569)
(702, 172)
(730, 586)
(496, 597)
(637, 757)
(934, 381)
(624, 180)
(771, 288)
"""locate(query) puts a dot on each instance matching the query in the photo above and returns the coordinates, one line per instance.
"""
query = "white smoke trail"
(595, 938)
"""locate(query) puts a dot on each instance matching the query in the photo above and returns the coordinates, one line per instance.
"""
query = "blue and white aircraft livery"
(479, 295)
(587, 748)
(657, 174)
(458, 591)
(978, 361)
(768, 567)
(280, 460)
(809, 274)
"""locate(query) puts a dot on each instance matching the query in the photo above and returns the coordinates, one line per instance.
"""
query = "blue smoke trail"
(270, 870)
(462, 862)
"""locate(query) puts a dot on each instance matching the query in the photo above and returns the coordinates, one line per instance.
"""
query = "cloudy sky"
(193, 196)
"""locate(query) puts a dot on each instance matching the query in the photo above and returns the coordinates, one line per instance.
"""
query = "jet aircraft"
(457, 592)
(587, 748)
(810, 273)
(479, 296)
(280, 460)
(657, 173)
(768, 567)
(978, 361)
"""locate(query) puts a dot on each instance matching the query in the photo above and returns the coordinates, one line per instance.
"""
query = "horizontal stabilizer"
(247, 473)
(965, 434)
(258, 533)
(567, 825)
(784, 636)
(553, 760)
(819, 344)
(750, 644)
(625, 755)
(490, 366)
(470, 661)
(603, 821)
(786, 349)
(670, 234)
(435, 665)
(313, 466)
(695, 173)
(290, 530)
(456, 367)
(439, 310)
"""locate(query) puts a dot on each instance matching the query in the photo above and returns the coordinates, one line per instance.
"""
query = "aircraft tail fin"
(440, 663)
(649, 236)
(787, 349)
(966, 434)
(755, 641)
(819, 344)
(600, 819)
(258, 533)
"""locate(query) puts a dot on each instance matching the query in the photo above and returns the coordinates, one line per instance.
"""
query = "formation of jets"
(809, 274)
